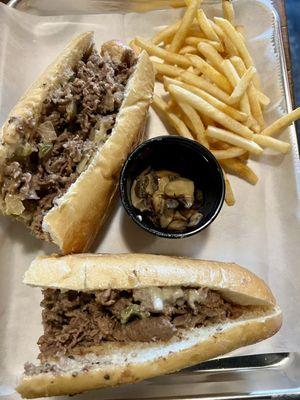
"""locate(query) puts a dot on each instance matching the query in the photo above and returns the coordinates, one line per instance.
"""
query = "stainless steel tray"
(262, 376)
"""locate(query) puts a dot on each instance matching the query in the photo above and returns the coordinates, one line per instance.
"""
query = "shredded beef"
(76, 320)
(76, 119)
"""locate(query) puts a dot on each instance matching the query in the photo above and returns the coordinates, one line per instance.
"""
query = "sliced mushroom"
(177, 225)
(140, 203)
(158, 202)
(166, 218)
(195, 219)
(162, 183)
(178, 216)
(182, 189)
(165, 173)
(172, 204)
(152, 183)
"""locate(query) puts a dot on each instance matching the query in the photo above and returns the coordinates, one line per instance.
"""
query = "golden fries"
(168, 70)
(229, 196)
(212, 89)
(239, 43)
(231, 152)
(211, 73)
(206, 27)
(165, 55)
(228, 10)
(161, 106)
(232, 112)
(194, 41)
(282, 123)
(188, 50)
(275, 144)
(166, 34)
(206, 108)
(186, 22)
(235, 140)
(196, 124)
(236, 167)
(203, 84)
(242, 86)
(211, 54)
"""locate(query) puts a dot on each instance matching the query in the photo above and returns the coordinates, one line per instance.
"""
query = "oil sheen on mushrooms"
(169, 200)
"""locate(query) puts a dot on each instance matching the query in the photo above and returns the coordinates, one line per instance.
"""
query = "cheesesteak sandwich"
(114, 319)
(64, 143)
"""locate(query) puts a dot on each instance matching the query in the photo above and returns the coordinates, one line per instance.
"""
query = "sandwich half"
(115, 319)
(64, 143)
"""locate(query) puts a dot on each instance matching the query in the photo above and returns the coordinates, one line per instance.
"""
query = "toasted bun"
(115, 364)
(30, 104)
(87, 272)
(74, 221)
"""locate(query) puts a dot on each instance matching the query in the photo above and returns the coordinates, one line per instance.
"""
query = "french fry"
(166, 69)
(252, 102)
(197, 126)
(256, 107)
(232, 152)
(228, 11)
(192, 40)
(272, 143)
(240, 169)
(203, 84)
(262, 98)
(211, 73)
(230, 48)
(166, 34)
(207, 121)
(134, 47)
(242, 86)
(239, 43)
(232, 112)
(186, 22)
(230, 72)
(229, 196)
(240, 67)
(161, 106)
(205, 26)
(170, 58)
(233, 77)
(282, 123)
(218, 30)
(188, 50)
(211, 54)
(217, 145)
(206, 108)
(195, 32)
(235, 140)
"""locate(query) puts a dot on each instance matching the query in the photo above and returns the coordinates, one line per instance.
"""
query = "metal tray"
(262, 376)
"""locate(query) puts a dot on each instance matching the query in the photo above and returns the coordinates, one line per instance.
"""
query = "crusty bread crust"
(86, 272)
(30, 104)
(78, 215)
(137, 361)
(81, 212)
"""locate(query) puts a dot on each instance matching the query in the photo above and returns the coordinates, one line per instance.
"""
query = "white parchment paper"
(260, 232)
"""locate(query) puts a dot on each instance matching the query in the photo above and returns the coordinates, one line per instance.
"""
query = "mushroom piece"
(158, 202)
(165, 173)
(177, 225)
(195, 219)
(182, 189)
(166, 218)
(140, 203)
